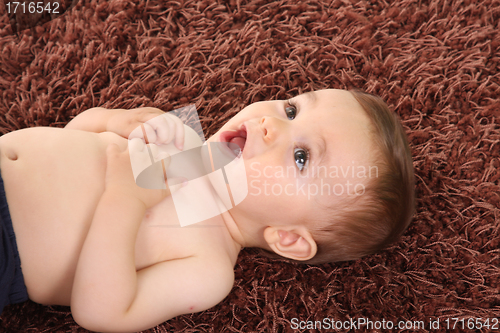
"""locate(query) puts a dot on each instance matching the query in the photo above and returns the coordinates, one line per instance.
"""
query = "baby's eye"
(291, 111)
(300, 155)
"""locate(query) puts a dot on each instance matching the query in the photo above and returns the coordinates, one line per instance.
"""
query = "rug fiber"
(436, 63)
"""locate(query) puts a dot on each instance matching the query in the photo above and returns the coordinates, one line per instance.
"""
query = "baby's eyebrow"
(311, 96)
(322, 156)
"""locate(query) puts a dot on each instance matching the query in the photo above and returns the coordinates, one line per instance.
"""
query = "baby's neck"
(233, 230)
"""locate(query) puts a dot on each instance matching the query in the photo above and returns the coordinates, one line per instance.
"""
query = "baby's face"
(300, 155)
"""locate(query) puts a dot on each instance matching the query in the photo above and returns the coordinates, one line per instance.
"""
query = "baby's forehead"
(336, 109)
(328, 94)
(344, 127)
(335, 105)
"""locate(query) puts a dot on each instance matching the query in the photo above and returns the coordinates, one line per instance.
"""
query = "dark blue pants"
(12, 288)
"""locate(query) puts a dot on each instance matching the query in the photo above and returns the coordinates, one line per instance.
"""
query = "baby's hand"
(120, 180)
(149, 124)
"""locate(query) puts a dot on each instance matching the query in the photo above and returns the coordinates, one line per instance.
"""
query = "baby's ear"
(293, 242)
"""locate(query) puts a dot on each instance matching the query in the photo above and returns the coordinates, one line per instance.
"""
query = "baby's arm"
(160, 127)
(93, 120)
(108, 294)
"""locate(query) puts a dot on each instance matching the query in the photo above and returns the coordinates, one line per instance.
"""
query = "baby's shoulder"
(216, 277)
(195, 283)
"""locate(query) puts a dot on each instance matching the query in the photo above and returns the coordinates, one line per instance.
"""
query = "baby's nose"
(269, 127)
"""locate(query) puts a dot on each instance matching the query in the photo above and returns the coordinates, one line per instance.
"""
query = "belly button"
(11, 155)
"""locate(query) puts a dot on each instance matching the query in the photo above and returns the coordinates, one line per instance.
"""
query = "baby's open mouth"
(235, 139)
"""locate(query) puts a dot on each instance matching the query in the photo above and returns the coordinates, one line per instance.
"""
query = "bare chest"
(54, 179)
(161, 238)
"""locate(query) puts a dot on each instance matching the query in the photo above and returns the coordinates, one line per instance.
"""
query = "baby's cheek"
(256, 171)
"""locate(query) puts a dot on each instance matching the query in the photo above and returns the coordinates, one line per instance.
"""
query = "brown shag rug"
(435, 62)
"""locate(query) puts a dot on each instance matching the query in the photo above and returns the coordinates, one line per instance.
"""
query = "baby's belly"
(53, 179)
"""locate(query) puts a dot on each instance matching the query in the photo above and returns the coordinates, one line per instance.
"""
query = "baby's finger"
(179, 132)
(148, 132)
(171, 128)
(163, 128)
(160, 126)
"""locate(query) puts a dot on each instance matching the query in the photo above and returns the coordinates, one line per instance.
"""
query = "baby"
(329, 178)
